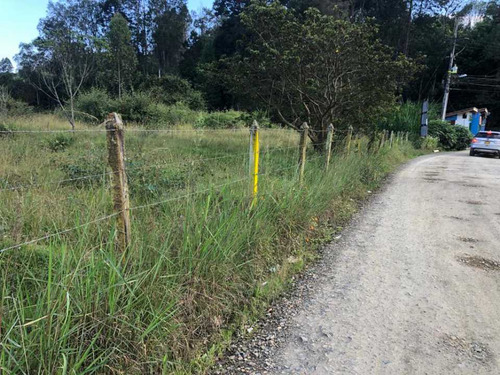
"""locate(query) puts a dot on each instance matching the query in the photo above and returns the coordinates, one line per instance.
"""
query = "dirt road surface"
(412, 287)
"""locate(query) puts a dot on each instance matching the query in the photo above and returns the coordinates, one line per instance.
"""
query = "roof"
(462, 111)
(467, 110)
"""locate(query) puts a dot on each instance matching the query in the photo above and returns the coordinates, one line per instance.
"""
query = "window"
(488, 135)
(464, 115)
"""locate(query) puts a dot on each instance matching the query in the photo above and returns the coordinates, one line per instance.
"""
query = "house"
(472, 118)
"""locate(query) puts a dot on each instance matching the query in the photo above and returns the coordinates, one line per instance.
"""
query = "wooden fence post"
(406, 137)
(304, 130)
(116, 159)
(391, 139)
(328, 145)
(254, 160)
(349, 137)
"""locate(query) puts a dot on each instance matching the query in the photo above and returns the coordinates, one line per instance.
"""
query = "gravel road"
(412, 287)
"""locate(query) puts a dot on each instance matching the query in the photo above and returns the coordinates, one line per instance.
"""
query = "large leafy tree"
(315, 68)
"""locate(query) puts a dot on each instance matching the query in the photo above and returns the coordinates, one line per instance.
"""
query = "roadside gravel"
(411, 287)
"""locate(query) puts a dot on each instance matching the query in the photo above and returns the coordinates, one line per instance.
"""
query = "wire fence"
(120, 170)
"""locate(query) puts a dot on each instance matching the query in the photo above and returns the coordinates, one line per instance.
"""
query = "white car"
(487, 142)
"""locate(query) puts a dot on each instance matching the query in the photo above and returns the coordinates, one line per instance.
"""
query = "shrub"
(262, 117)
(160, 114)
(428, 143)
(10, 106)
(171, 90)
(135, 107)
(463, 137)
(225, 120)
(60, 142)
(96, 103)
(451, 137)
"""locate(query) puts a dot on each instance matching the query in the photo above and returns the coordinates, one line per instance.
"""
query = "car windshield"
(488, 135)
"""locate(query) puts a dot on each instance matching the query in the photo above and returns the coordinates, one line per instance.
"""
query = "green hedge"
(451, 137)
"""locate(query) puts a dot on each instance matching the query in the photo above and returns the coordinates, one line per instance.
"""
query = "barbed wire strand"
(27, 186)
(119, 212)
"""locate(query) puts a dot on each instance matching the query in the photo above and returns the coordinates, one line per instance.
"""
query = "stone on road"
(413, 286)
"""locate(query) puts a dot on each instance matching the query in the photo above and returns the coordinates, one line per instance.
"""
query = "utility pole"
(448, 75)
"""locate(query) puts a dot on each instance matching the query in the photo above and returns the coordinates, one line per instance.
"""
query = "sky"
(19, 19)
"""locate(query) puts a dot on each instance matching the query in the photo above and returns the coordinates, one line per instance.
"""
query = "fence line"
(116, 158)
(114, 214)
(58, 182)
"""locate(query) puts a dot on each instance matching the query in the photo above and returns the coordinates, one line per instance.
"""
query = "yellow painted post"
(304, 130)
(254, 160)
(349, 137)
(328, 145)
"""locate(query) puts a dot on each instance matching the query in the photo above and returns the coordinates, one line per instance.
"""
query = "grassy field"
(199, 256)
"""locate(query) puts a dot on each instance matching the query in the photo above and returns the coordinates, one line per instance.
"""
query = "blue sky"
(19, 19)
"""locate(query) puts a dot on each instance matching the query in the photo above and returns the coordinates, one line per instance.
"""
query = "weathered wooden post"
(382, 140)
(328, 145)
(391, 141)
(304, 131)
(349, 138)
(406, 137)
(254, 160)
(116, 159)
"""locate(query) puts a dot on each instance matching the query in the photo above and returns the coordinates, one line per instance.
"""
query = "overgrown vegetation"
(451, 137)
(197, 265)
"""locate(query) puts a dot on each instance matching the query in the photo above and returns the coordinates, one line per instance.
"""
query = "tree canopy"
(286, 50)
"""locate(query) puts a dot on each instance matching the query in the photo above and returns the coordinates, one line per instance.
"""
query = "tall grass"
(197, 264)
(406, 117)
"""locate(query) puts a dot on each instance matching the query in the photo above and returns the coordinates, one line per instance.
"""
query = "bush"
(262, 117)
(135, 107)
(96, 103)
(12, 107)
(60, 142)
(160, 115)
(429, 143)
(171, 90)
(225, 120)
(451, 137)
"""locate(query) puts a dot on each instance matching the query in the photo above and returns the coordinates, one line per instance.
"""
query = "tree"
(170, 35)
(59, 61)
(123, 56)
(6, 65)
(318, 69)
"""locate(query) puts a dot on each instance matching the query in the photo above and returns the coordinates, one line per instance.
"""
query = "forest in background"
(333, 61)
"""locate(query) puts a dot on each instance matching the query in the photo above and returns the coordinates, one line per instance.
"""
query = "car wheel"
(471, 152)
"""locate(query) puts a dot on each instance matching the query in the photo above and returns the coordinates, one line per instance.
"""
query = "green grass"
(197, 267)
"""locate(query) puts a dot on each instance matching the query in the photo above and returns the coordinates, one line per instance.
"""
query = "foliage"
(122, 54)
(428, 143)
(11, 107)
(198, 264)
(170, 89)
(451, 137)
(60, 142)
(406, 117)
(225, 119)
(6, 65)
(96, 102)
(317, 69)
